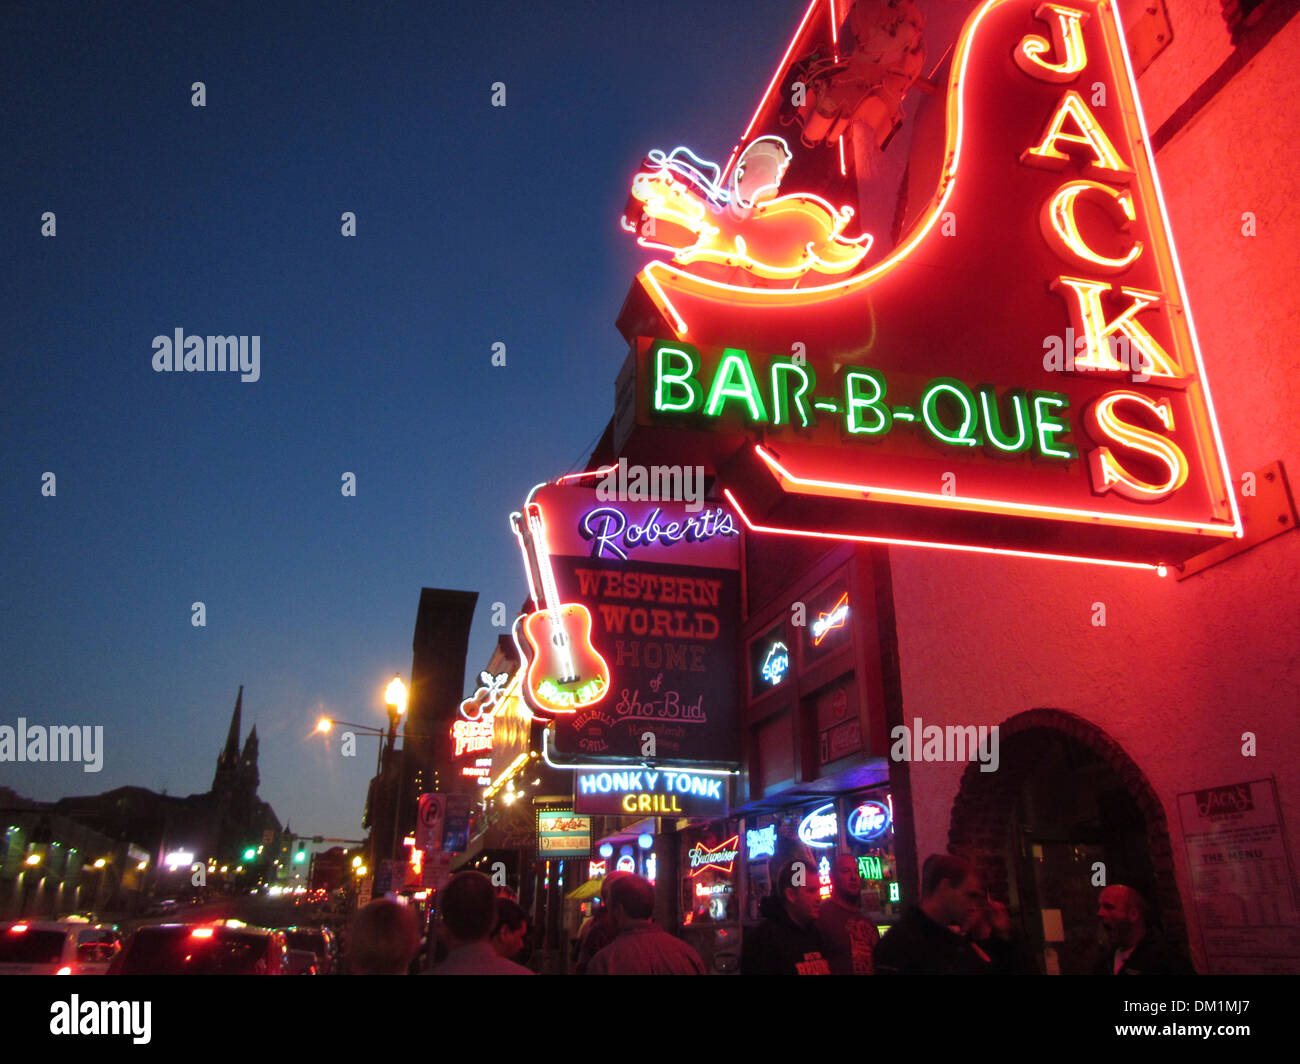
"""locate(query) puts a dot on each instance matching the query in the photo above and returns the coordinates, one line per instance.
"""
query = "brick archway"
(980, 828)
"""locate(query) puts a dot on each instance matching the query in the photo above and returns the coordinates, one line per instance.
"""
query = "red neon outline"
(977, 505)
(601, 472)
(1158, 568)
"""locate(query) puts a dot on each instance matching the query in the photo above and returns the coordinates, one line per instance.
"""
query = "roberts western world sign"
(632, 647)
(1019, 372)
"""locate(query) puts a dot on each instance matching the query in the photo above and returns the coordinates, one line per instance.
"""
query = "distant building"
(215, 828)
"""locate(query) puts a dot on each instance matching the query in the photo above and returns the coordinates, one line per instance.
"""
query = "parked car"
(38, 947)
(97, 945)
(320, 941)
(221, 948)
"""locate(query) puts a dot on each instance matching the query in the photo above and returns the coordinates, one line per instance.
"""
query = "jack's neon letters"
(1072, 136)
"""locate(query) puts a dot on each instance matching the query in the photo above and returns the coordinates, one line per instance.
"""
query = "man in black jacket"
(1134, 950)
(787, 942)
(924, 942)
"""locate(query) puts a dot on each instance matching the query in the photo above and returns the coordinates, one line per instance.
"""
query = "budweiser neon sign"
(721, 857)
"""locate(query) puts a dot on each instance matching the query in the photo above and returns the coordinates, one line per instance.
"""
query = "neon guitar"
(565, 672)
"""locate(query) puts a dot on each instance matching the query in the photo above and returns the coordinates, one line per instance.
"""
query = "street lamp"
(395, 696)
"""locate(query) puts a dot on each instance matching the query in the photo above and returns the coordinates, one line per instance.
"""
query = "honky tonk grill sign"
(1020, 373)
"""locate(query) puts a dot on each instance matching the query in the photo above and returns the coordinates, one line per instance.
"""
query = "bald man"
(1133, 949)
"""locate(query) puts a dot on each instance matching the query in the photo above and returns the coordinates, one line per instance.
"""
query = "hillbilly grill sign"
(631, 647)
(1025, 353)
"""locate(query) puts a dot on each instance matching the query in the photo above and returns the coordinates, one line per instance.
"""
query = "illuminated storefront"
(963, 443)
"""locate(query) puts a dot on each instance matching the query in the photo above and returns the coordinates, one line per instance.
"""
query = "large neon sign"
(895, 407)
(652, 590)
(666, 792)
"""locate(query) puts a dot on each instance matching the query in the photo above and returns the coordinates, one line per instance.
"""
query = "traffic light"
(300, 856)
(250, 853)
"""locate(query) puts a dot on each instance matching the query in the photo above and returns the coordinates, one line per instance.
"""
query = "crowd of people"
(956, 929)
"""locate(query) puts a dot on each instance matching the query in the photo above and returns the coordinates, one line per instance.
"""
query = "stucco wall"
(1180, 670)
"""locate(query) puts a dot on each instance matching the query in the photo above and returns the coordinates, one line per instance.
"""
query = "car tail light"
(18, 929)
(201, 932)
(65, 970)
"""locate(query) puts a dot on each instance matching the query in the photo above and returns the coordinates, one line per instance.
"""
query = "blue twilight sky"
(474, 225)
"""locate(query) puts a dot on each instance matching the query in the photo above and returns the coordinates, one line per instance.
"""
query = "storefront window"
(869, 836)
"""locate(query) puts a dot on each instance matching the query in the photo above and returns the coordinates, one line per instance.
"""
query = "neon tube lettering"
(1105, 159)
(853, 403)
(993, 421)
(666, 380)
(787, 367)
(929, 413)
(1047, 425)
(735, 380)
(1089, 318)
(1107, 472)
(1061, 228)
(1066, 43)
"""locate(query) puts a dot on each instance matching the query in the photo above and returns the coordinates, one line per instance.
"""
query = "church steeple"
(248, 762)
(228, 759)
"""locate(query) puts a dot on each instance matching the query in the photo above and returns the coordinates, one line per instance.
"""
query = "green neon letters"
(735, 380)
(784, 367)
(1048, 426)
(991, 415)
(667, 381)
(960, 397)
(865, 415)
(947, 411)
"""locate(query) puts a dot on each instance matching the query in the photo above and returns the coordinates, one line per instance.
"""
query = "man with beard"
(849, 937)
(1133, 949)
